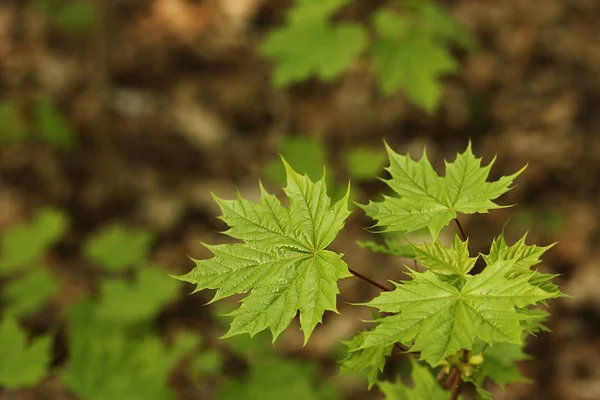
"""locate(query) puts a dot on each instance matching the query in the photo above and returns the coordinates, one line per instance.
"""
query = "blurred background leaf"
(141, 299)
(53, 128)
(365, 163)
(116, 247)
(22, 364)
(24, 245)
(12, 123)
(30, 293)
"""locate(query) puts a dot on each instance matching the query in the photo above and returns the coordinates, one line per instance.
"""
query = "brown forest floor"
(171, 99)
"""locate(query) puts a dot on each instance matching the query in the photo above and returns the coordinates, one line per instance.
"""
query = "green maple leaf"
(424, 386)
(444, 317)
(366, 362)
(22, 365)
(131, 302)
(24, 245)
(282, 260)
(108, 362)
(430, 201)
(311, 46)
(453, 261)
(30, 293)
(523, 257)
(275, 379)
(117, 248)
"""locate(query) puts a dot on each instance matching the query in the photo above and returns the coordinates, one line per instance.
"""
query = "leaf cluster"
(410, 46)
(450, 317)
(113, 351)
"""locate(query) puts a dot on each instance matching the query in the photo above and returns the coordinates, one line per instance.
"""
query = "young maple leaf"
(443, 316)
(523, 257)
(425, 387)
(453, 262)
(368, 362)
(430, 201)
(282, 260)
(311, 46)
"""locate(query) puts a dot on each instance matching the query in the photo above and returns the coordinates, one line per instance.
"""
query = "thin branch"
(460, 228)
(451, 378)
(440, 374)
(372, 282)
(456, 387)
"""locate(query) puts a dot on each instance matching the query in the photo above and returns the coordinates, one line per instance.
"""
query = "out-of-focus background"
(119, 117)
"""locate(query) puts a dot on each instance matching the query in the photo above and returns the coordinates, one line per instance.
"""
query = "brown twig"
(460, 228)
(456, 387)
(451, 377)
(372, 282)
(440, 374)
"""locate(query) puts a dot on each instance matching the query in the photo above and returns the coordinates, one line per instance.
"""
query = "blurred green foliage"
(309, 45)
(117, 248)
(499, 362)
(74, 16)
(107, 362)
(22, 365)
(48, 124)
(53, 127)
(426, 387)
(129, 302)
(409, 59)
(546, 221)
(364, 163)
(114, 349)
(12, 124)
(275, 379)
(207, 363)
(30, 293)
(24, 245)
(410, 47)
